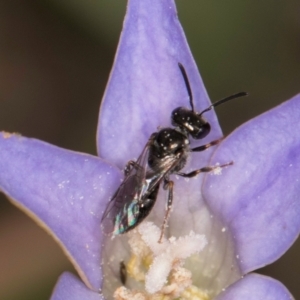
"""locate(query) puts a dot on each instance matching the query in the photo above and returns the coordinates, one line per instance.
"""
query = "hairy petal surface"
(145, 84)
(254, 287)
(259, 196)
(70, 287)
(65, 191)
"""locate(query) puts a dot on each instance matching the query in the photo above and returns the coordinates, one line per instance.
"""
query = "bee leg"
(204, 147)
(202, 170)
(168, 184)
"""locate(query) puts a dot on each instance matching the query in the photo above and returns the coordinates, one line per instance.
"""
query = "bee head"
(190, 122)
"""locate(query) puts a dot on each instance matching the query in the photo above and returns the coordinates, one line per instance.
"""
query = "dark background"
(55, 58)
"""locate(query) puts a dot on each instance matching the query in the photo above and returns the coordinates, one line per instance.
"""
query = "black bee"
(164, 154)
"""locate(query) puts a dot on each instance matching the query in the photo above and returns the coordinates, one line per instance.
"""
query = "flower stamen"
(161, 265)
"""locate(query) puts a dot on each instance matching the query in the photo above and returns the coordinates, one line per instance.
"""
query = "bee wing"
(122, 210)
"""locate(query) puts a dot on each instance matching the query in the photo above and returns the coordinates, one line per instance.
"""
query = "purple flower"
(241, 220)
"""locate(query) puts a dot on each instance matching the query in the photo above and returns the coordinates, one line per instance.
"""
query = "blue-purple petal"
(256, 287)
(145, 84)
(258, 197)
(69, 287)
(65, 191)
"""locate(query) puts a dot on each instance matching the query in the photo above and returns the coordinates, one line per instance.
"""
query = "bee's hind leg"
(168, 184)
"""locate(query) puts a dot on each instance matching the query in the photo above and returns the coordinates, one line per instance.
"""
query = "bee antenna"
(234, 96)
(187, 84)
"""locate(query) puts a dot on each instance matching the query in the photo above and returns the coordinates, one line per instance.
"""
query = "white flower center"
(192, 266)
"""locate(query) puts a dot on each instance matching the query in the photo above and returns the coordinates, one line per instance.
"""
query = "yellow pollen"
(194, 293)
(136, 266)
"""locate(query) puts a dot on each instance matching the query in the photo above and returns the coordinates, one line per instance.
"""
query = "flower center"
(196, 265)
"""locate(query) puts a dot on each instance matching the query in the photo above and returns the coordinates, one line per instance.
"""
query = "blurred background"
(55, 58)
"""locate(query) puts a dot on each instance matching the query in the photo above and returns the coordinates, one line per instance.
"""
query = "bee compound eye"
(201, 131)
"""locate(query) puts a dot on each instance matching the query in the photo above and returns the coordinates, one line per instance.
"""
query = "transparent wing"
(123, 209)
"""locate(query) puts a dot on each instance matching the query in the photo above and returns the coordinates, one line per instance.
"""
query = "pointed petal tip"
(258, 197)
(146, 84)
(66, 191)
